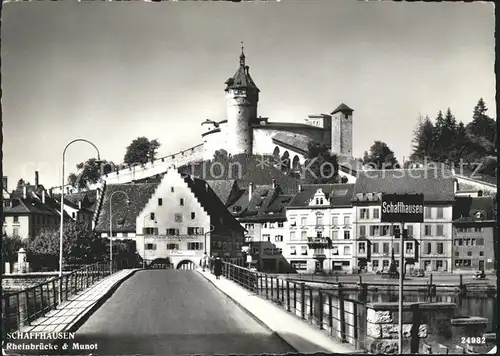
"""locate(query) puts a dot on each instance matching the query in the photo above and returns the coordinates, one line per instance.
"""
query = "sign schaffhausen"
(402, 208)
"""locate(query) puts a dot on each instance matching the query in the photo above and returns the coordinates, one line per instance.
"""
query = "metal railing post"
(287, 295)
(321, 308)
(342, 316)
(303, 300)
(267, 289)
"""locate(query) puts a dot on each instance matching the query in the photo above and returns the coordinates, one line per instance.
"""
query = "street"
(173, 312)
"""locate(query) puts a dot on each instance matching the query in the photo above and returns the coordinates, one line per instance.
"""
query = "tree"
(89, 172)
(10, 247)
(380, 156)
(423, 140)
(141, 150)
(43, 249)
(481, 131)
(321, 165)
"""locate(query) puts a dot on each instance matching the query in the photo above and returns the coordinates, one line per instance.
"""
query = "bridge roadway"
(175, 312)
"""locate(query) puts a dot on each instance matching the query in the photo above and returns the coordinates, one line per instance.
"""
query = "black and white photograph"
(248, 178)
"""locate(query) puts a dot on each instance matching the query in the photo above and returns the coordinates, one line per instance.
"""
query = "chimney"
(36, 180)
(24, 192)
(250, 191)
(4, 183)
(80, 204)
(43, 196)
(300, 187)
(274, 183)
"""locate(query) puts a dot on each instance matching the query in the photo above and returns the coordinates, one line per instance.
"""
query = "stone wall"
(419, 320)
(15, 282)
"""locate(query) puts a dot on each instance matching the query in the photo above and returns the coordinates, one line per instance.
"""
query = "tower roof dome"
(241, 79)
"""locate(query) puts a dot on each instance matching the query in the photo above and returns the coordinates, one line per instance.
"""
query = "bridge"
(166, 312)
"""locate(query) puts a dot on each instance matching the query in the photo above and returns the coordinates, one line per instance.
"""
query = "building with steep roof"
(321, 235)
(475, 231)
(429, 245)
(180, 219)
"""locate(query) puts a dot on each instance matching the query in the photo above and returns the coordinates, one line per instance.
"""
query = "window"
(385, 247)
(460, 242)
(481, 253)
(439, 264)
(15, 219)
(396, 248)
(173, 232)
(319, 234)
(319, 220)
(385, 263)
(264, 225)
(347, 235)
(440, 249)
(293, 223)
(172, 246)
(374, 230)
(193, 215)
(428, 248)
(347, 250)
(124, 234)
(73, 215)
(439, 230)
(427, 230)
(457, 253)
(150, 231)
(376, 213)
(480, 241)
(478, 229)
(409, 247)
(347, 220)
(249, 226)
(178, 217)
(303, 235)
(361, 247)
(266, 237)
(335, 250)
(299, 265)
(386, 230)
(181, 202)
(469, 253)
(293, 250)
(195, 245)
(150, 246)
(303, 250)
(364, 213)
(427, 213)
(278, 238)
(440, 213)
(15, 232)
(292, 235)
(280, 224)
(152, 216)
(375, 264)
(362, 230)
(335, 235)
(160, 201)
(192, 231)
(335, 221)
(410, 230)
(172, 189)
(303, 221)
(375, 247)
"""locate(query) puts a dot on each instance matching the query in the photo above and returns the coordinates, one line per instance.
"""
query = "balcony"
(318, 242)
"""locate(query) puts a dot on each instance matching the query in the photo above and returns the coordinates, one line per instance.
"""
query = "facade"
(264, 219)
(321, 235)
(179, 219)
(474, 237)
(429, 245)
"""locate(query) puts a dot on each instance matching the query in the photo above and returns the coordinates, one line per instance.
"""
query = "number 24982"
(473, 340)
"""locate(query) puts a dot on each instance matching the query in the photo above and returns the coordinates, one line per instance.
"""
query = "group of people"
(214, 263)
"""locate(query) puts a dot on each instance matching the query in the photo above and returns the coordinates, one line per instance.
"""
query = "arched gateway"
(186, 264)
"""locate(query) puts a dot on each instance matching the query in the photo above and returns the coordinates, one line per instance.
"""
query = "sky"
(110, 72)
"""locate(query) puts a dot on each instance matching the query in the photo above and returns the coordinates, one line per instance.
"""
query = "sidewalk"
(70, 312)
(304, 338)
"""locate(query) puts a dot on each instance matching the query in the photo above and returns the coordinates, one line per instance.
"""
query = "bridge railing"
(343, 318)
(21, 308)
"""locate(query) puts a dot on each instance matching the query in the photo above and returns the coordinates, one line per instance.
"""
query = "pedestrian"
(218, 267)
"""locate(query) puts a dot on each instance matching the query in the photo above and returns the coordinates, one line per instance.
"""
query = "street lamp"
(111, 227)
(62, 201)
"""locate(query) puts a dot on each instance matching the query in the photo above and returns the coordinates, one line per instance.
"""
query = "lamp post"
(111, 227)
(61, 231)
